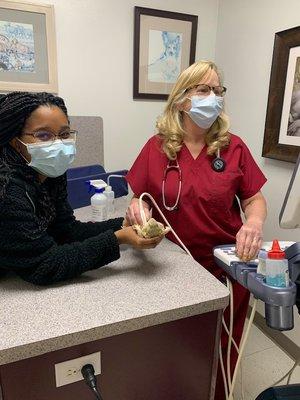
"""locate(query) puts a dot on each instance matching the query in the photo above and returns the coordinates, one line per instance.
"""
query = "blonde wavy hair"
(170, 124)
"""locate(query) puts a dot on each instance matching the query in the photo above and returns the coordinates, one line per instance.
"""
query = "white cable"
(143, 216)
(242, 380)
(114, 176)
(230, 339)
(227, 331)
(223, 370)
(241, 364)
(291, 373)
(288, 374)
(242, 347)
(229, 285)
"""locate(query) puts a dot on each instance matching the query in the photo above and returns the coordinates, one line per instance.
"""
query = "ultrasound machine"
(279, 302)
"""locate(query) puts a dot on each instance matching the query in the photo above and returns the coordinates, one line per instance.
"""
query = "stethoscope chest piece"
(218, 164)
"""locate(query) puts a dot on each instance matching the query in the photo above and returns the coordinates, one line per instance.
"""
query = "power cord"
(292, 370)
(89, 376)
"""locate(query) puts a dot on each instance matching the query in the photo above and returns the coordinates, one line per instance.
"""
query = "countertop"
(141, 289)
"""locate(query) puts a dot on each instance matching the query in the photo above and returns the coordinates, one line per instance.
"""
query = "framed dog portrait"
(282, 128)
(27, 47)
(164, 45)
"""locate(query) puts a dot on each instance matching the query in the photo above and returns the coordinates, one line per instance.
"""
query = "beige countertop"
(141, 289)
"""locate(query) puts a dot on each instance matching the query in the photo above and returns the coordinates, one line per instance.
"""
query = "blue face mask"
(205, 110)
(53, 160)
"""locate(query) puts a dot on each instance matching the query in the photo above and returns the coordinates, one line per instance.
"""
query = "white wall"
(95, 62)
(244, 52)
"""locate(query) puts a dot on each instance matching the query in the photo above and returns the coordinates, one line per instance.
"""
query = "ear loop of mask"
(24, 144)
(190, 98)
(182, 100)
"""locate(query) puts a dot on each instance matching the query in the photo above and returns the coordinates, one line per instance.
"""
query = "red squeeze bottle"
(277, 269)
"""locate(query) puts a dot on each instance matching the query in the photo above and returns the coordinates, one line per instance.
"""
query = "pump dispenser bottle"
(98, 200)
(99, 206)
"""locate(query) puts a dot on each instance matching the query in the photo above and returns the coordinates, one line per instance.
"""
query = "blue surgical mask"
(53, 160)
(205, 110)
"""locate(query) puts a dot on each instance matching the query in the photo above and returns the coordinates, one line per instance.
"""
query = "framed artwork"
(27, 47)
(164, 45)
(282, 128)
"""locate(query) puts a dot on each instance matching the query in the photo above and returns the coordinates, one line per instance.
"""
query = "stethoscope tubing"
(218, 165)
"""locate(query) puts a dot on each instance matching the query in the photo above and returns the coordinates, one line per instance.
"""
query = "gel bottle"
(262, 256)
(277, 269)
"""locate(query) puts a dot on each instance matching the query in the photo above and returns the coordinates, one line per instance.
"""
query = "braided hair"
(16, 107)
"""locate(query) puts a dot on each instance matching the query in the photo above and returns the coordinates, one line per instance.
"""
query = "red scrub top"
(209, 212)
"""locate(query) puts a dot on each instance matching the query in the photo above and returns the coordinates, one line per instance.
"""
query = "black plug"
(88, 374)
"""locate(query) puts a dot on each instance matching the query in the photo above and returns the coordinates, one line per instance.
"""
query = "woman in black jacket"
(40, 240)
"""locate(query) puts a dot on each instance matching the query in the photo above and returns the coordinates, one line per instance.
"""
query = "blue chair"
(78, 172)
(78, 190)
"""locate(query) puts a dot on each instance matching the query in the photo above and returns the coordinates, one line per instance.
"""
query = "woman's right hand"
(128, 235)
(133, 215)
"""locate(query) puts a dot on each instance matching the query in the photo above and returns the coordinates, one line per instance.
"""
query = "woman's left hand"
(249, 240)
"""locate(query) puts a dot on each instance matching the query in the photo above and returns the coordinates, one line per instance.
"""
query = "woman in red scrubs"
(197, 171)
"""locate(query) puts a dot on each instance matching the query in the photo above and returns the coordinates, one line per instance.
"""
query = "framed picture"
(282, 128)
(27, 47)
(164, 45)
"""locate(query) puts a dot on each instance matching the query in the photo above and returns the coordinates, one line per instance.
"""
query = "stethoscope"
(218, 164)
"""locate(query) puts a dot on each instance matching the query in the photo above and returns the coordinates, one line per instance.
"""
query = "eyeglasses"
(204, 90)
(50, 137)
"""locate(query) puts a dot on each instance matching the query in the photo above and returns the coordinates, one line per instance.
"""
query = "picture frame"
(164, 45)
(27, 47)
(282, 126)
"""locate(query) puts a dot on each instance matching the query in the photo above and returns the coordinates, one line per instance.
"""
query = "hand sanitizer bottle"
(277, 269)
(98, 200)
(99, 205)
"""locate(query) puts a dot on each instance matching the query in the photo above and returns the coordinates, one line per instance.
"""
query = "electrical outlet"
(70, 371)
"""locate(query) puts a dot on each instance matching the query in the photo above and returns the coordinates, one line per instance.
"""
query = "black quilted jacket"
(40, 240)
